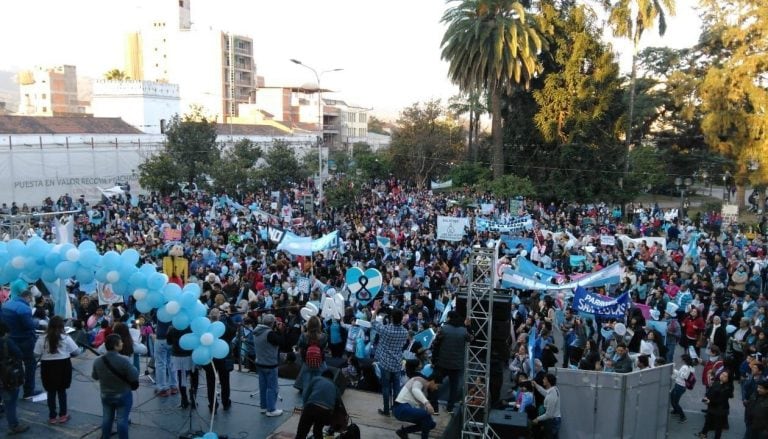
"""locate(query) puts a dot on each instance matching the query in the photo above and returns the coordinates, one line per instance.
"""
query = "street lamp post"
(682, 185)
(319, 118)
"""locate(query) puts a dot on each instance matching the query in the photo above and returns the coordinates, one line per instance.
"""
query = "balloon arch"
(38, 259)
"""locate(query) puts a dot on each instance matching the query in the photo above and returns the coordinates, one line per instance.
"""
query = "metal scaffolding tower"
(480, 291)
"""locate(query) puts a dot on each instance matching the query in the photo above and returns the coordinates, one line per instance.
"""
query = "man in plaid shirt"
(389, 353)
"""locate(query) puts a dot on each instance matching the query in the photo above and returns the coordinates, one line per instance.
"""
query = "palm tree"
(116, 75)
(630, 19)
(469, 103)
(491, 45)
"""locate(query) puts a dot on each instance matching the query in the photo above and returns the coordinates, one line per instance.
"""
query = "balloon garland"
(38, 259)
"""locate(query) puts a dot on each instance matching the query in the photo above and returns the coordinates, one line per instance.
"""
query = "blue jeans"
(306, 374)
(111, 404)
(164, 377)
(390, 387)
(551, 428)
(268, 388)
(10, 396)
(671, 343)
(421, 419)
(674, 396)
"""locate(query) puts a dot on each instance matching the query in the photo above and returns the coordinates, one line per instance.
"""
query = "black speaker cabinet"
(508, 424)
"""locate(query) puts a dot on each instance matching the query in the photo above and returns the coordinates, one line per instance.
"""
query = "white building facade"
(145, 105)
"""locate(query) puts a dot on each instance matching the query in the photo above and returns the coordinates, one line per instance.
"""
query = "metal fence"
(604, 405)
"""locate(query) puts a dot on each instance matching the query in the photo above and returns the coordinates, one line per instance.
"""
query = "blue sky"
(390, 51)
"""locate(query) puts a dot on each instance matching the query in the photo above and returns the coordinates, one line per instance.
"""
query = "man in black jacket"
(449, 350)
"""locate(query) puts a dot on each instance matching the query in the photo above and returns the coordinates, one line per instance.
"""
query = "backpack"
(313, 357)
(352, 432)
(11, 369)
(690, 381)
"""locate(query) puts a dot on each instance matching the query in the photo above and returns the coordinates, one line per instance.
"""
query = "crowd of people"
(709, 298)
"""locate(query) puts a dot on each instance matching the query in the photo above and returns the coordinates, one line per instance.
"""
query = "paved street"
(154, 417)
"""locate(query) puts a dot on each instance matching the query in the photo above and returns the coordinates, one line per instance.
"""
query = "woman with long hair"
(312, 334)
(130, 347)
(55, 350)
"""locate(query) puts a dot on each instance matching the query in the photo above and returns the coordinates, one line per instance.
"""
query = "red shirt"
(693, 327)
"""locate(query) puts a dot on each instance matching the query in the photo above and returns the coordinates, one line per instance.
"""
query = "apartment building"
(49, 91)
(145, 105)
(213, 69)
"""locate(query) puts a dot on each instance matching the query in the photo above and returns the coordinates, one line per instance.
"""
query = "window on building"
(44, 96)
(45, 109)
(181, 3)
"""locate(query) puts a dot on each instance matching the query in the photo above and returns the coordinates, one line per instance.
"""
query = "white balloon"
(207, 339)
(140, 294)
(18, 262)
(73, 255)
(172, 307)
(113, 276)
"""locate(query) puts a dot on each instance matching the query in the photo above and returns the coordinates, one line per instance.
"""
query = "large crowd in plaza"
(701, 293)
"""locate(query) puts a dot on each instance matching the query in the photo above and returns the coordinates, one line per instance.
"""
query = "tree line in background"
(566, 125)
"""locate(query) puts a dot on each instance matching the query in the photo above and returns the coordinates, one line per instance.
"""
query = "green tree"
(375, 125)
(340, 192)
(159, 173)
(469, 174)
(734, 91)
(190, 147)
(116, 75)
(236, 170)
(630, 19)
(424, 143)
(509, 186)
(283, 167)
(491, 45)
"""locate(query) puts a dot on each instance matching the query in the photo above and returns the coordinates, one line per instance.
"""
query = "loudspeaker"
(502, 307)
(508, 424)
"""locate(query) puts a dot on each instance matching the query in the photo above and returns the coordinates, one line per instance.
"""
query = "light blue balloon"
(87, 245)
(121, 287)
(200, 325)
(181, 320)
(85, 275)
(143, 306)
(217, 329)
(111, 260)
(201, 355)
(89, 257)
(188, 300)
(163, 315)
(52, 259)
(65, 269)
(148, 269)
(220, 349)
(48, 275)
(210, 435)
(171, 290)
(16, 247)
(199, 310)
(38, 248)
(138, 280)
(189, 341)
(130, 256)
(155, 298)
(64, 248)
(192, 288)
(101, 274)
(156, 281)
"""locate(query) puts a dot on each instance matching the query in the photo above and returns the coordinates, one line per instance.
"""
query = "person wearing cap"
(267, 338)
(17, 315)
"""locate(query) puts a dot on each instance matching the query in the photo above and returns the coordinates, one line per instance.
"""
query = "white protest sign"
(451, 228)
(607, 240)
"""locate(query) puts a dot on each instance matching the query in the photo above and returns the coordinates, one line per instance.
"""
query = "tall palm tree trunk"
(631, 112)
(476, 135)
(470, 153)
(496, 133)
